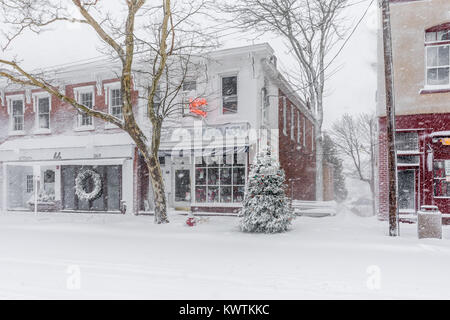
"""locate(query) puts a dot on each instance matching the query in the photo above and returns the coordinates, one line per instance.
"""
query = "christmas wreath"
(81, 185)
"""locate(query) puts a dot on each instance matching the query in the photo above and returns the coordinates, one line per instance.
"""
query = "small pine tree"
(266, 208)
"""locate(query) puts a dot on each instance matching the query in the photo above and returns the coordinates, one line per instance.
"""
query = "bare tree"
(355, 137)
(311, 28)
(158, 32)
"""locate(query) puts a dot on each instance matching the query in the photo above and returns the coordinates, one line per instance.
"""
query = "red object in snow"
(190, 221)
(195, 104)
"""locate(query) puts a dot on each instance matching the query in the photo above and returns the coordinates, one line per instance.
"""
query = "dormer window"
(437, 46)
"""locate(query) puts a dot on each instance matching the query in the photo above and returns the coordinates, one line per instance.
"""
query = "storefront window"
(441, 178)
(220, 179)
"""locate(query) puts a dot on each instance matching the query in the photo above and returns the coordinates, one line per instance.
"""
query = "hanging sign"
(195, 106)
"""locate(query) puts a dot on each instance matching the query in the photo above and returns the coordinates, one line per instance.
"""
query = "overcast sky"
(350, 90)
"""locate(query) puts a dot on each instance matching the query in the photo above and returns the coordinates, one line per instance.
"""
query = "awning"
(209, 151)
(83, 162)
(438, 134)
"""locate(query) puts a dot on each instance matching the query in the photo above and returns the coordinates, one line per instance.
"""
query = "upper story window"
(115, 106)
(298, 128)
(86, 97)
(437, 45)
(407, 141)
(229, 95)
(264, 105)
(190, 85)
(17, 115)
(43, 116)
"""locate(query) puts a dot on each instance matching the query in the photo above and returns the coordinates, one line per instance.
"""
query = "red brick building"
(421, 45)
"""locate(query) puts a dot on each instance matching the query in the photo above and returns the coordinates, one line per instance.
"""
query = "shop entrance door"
(407, 191)
(182, 183)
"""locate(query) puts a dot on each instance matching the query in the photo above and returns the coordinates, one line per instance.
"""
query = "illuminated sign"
(445, 141)
(195, 106)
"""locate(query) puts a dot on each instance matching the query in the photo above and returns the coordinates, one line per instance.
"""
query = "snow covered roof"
(55, 142)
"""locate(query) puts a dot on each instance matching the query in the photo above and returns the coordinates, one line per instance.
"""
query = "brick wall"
(297, 160)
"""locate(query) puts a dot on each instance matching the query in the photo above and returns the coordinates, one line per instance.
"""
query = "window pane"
(86, 100)
(439, 169)
(17, 107)
(238, 194)
(200, 194)
(229, 86)
(44, 121)
(225, 194)
(44, 105)
(441, 188)
(408, 160)
(443, 75)
(229, 94)
(225, 176)
(407, 141)
(430, 36)
(238, 176)
(443, 55)
(229, 104)
(200, 176)
(432, 75)
(213, 194)
(432, 56)
(190, 85)
(213, 176)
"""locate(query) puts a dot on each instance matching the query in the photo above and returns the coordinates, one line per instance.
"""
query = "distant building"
(421, 51)
(248, 101)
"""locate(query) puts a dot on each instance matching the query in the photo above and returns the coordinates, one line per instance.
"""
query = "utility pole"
(390, 118)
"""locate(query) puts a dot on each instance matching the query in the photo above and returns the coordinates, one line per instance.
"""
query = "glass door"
(182, 183)
(407, 191)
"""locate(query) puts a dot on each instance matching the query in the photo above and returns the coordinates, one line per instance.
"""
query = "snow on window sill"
(84, 128)
(16, 133)
(109, 126)
(409, 152)
(434, 89)
(42, 131)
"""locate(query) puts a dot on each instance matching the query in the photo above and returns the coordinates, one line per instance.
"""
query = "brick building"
(421, 42)
(204, 161)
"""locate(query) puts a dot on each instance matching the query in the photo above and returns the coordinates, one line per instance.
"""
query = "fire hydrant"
(191, 221)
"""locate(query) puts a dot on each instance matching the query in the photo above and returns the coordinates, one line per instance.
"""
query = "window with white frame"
(437, 47)
(86, 98)
(189, 85)
(17, 115)
(407, 141)
(43, 112)
(284, 116)
(220, 179)
(264, 105)
(298, 128)
(229, 95)
(312, 138)
(115, 102)
(292, 122)
(441, 183)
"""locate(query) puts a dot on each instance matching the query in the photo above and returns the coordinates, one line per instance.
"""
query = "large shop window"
(229, 95)
(220, 179)
(438, 58)
(407, 141)
(441, 180)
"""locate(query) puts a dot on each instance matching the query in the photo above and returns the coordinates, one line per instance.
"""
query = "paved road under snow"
(130, 257)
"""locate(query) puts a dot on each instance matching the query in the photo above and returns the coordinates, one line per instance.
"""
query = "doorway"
(407, 191)
(182, 183)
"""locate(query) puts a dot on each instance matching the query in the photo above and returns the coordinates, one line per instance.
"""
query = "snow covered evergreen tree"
(266, 208)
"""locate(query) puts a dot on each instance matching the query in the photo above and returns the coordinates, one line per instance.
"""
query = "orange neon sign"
(445, 141)
(195, 106)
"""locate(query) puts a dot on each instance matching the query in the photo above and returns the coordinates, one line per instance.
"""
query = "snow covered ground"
(129, 257)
